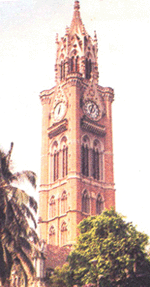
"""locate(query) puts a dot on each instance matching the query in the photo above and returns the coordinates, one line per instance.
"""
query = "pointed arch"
(96, 153)
(85, 202)
(52, 207)
(64, 153)
(63, 233)
(99, 204)
(56, 165)
(85, 160)
(77, 64)
(97, 160)
(55, 160)
(64, 202)
(85, 155)
(88, 66)
(74, 62)
(62, 70)
(62, 67)
(52, 235)
(72, 68)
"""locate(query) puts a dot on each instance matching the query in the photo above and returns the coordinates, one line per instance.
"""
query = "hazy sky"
(27, 57)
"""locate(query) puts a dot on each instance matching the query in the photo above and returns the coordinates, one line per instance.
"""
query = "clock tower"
(77, 152)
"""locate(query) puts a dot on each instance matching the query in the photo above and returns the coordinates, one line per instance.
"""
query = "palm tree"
(17, 236)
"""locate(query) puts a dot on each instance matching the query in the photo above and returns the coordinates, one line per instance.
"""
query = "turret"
(76, 51)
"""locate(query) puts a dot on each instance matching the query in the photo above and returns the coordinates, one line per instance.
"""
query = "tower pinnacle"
(76, 51)
(76, 23)
(76, 5)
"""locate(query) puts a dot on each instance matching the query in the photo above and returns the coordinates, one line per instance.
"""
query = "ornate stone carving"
(58, 128)
(91, 127)
(45, 100)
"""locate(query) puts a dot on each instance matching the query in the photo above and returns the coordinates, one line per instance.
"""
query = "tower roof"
(77, 26)
(76, 51)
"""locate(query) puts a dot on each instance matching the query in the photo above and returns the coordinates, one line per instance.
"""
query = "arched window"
(99, 204)
(54, 162)
(62, 70)
(97, 161)
(101, 165)
(64, 161)
(52, 235)
(85, 202)
(77, 64)
(85, 160)
(85, 156)
(56, 165)
(63, 233)
(64, 202)
(72, 64)
(88, 68)
(64, 156)
(52, 207)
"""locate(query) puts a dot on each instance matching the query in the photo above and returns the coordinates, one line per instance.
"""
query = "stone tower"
(77, 153)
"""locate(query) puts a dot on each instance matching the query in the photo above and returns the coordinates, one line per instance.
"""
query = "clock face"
(91, 110)
(59, 111)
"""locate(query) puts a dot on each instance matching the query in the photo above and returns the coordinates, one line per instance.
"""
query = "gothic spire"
(77, 26)
(76, 51)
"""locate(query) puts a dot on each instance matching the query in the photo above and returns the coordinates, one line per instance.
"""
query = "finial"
(67, 30)
(76, 5)
(83, 30)
(95, 36)
(56, 38)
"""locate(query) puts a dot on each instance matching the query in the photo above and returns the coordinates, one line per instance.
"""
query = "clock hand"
(59, 109)
(92, 108)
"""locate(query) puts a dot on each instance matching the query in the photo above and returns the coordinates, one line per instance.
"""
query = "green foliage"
(16, 206)
(108, 246)
(60, 277)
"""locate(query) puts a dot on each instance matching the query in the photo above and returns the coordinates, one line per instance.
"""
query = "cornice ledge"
(106, 89)
(45, 100)
(44, 187)
(58, 128)
(47, 92)
(107, 92)
(92, 127)
(74, 78)
(106, 185)
(45, 96)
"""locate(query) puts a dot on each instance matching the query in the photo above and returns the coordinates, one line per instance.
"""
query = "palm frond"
(33, 203)
(28, 214)
(9, 154)
(25, 260)
(20, 196)
(3, 200)
(5, 171)
(33, 236)
(18, 267)
(17, 238)
(26, 175)
(20, 223)
(8, 240)
(8, 260)
(25, 244)
(3, 270)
